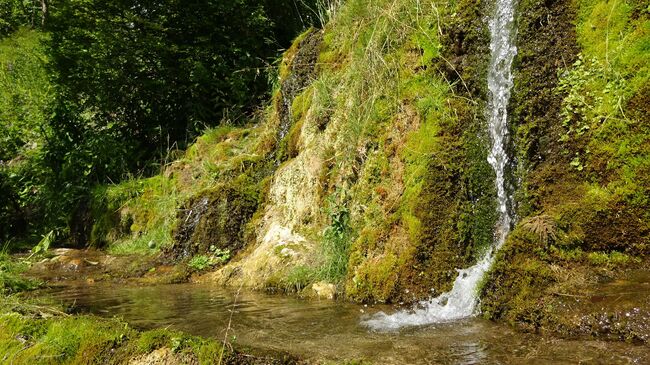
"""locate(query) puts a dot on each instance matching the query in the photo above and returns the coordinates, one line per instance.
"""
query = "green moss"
(411, 156)
(70, 340)
(516, 283)
(569, 254)
(154, 339)
(290, 54)
(137, 214)
(582, 157)
(289, 147)
(610, 260)
(88, 340)
(209, 139)
(375, 279)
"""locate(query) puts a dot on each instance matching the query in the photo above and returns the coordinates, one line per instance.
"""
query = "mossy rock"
(514, 287)
(215, 219)
(296, 73)
(616, 227)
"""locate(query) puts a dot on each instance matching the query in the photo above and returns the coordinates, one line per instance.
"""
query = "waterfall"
(462, 300)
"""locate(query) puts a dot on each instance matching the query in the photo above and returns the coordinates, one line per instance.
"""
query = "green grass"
(139, 215)
(135, 216)
(399, 121)
(36, 333)
(387, 121)
(11, 280)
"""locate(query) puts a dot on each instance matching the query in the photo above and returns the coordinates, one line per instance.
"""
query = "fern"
(543, 226)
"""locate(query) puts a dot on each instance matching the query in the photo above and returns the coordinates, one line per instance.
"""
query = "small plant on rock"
(200, 262)
(543, 226)
(203, 262)
(220, 255)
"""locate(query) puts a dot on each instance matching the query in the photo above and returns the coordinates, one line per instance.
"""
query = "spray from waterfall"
(462, 300)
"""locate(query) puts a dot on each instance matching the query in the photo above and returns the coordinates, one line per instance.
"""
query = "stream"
(327, 331)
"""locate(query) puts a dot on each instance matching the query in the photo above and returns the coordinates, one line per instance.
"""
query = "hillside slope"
(368, 169)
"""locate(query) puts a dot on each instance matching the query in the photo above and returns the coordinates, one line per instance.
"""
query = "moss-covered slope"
(40, 334)
(368, 168)
(580, 116)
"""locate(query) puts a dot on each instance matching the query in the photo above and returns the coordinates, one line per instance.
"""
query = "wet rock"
(280, 250)
(73, 264)
(301, 72)
(215, 219)
(89, 266)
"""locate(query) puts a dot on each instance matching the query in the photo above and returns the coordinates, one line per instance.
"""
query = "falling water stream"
(462, 300)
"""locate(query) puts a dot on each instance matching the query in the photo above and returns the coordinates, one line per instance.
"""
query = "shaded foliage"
(118, 85)
(142, 75)
(17, 13)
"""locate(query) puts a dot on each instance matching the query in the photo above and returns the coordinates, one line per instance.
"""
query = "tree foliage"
(151, 74)
(93, 91)
(17, 13)
(142, 73)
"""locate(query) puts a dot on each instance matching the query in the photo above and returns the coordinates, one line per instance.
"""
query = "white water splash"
(458, 303)
(462, 300)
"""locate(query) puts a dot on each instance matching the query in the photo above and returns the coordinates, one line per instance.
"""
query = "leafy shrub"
(203, 262)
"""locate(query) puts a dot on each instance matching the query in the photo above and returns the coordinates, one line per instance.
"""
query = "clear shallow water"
(325, 331)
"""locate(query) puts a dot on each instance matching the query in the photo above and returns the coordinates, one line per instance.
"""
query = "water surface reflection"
(323, 330)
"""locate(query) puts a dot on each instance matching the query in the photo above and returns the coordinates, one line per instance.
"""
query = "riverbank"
(32, 332)
(37, 329)
(365, 178)
(73, 320)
